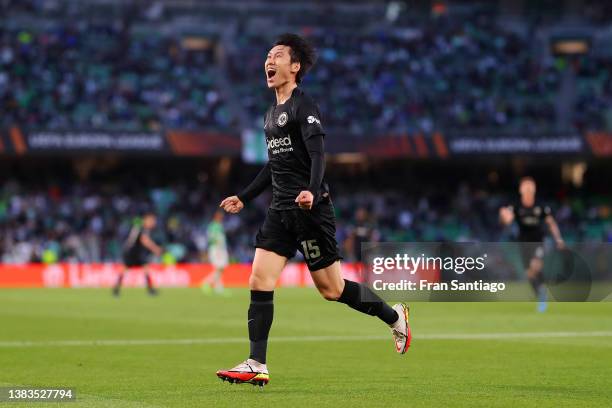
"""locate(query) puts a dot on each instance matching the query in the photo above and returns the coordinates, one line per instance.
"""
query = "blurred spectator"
(444, 73)
(100, 76)
(450, 71)
(88, 222)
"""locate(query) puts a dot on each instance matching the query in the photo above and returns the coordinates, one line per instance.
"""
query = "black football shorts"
(133, 260)
(312, 232)
(531, 250)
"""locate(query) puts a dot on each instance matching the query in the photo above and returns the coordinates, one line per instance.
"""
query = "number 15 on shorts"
(311, 249)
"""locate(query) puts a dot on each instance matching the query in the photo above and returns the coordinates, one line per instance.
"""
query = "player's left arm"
(309, 119)
(506, 215)
(553, 227)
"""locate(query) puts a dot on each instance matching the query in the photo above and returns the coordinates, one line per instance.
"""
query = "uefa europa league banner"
(487, 271)
(168, 142)
(251, 145)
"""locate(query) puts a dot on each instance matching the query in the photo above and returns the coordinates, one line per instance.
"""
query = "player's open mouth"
(270, 73)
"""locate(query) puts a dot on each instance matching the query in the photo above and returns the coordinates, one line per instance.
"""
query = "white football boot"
(401, 329)
(249, 371)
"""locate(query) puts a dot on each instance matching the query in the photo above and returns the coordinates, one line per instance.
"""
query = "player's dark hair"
(301, 51)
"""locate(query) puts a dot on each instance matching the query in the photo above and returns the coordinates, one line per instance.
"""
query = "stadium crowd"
(593, 110)
(101, 76)
(441, 72)
(446, 73)
(88, 222)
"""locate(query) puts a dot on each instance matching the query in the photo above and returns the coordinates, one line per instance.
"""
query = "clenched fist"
(305, 200)
(232, 205)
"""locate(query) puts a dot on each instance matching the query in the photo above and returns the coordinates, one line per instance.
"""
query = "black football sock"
(261, 312)
(149, 281)
(361, 298)
(118, 283)
(536, 282)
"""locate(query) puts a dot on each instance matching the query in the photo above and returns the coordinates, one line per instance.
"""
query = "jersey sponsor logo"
(280, 145)
(530, 220)
(311, 119)
(282, 119)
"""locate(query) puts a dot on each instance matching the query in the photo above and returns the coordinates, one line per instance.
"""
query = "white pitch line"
(503, 336)
(221, 340)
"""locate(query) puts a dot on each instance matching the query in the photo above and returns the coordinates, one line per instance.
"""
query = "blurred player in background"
(362, 231)
(530, 217)
(301, 215)
(217, 253)
(137, 249)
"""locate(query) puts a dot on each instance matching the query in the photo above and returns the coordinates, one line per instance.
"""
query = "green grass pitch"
(320, 354)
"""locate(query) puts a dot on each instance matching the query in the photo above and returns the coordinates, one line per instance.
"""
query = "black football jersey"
(132, 246)
(530, 221)
(286, 127)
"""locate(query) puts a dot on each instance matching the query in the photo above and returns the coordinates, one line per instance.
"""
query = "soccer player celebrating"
(301, 215)
(217, 253)
(530, 217)
(137, 248)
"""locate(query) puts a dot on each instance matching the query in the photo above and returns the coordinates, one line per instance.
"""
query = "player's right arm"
(234, 204)
(148, 243)
(553, 227)
(506, 215)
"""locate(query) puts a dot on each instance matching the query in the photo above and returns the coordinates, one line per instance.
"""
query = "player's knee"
(537, 265)
(534, 269)
(330, 293)
(256, 282)
(259, 281)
